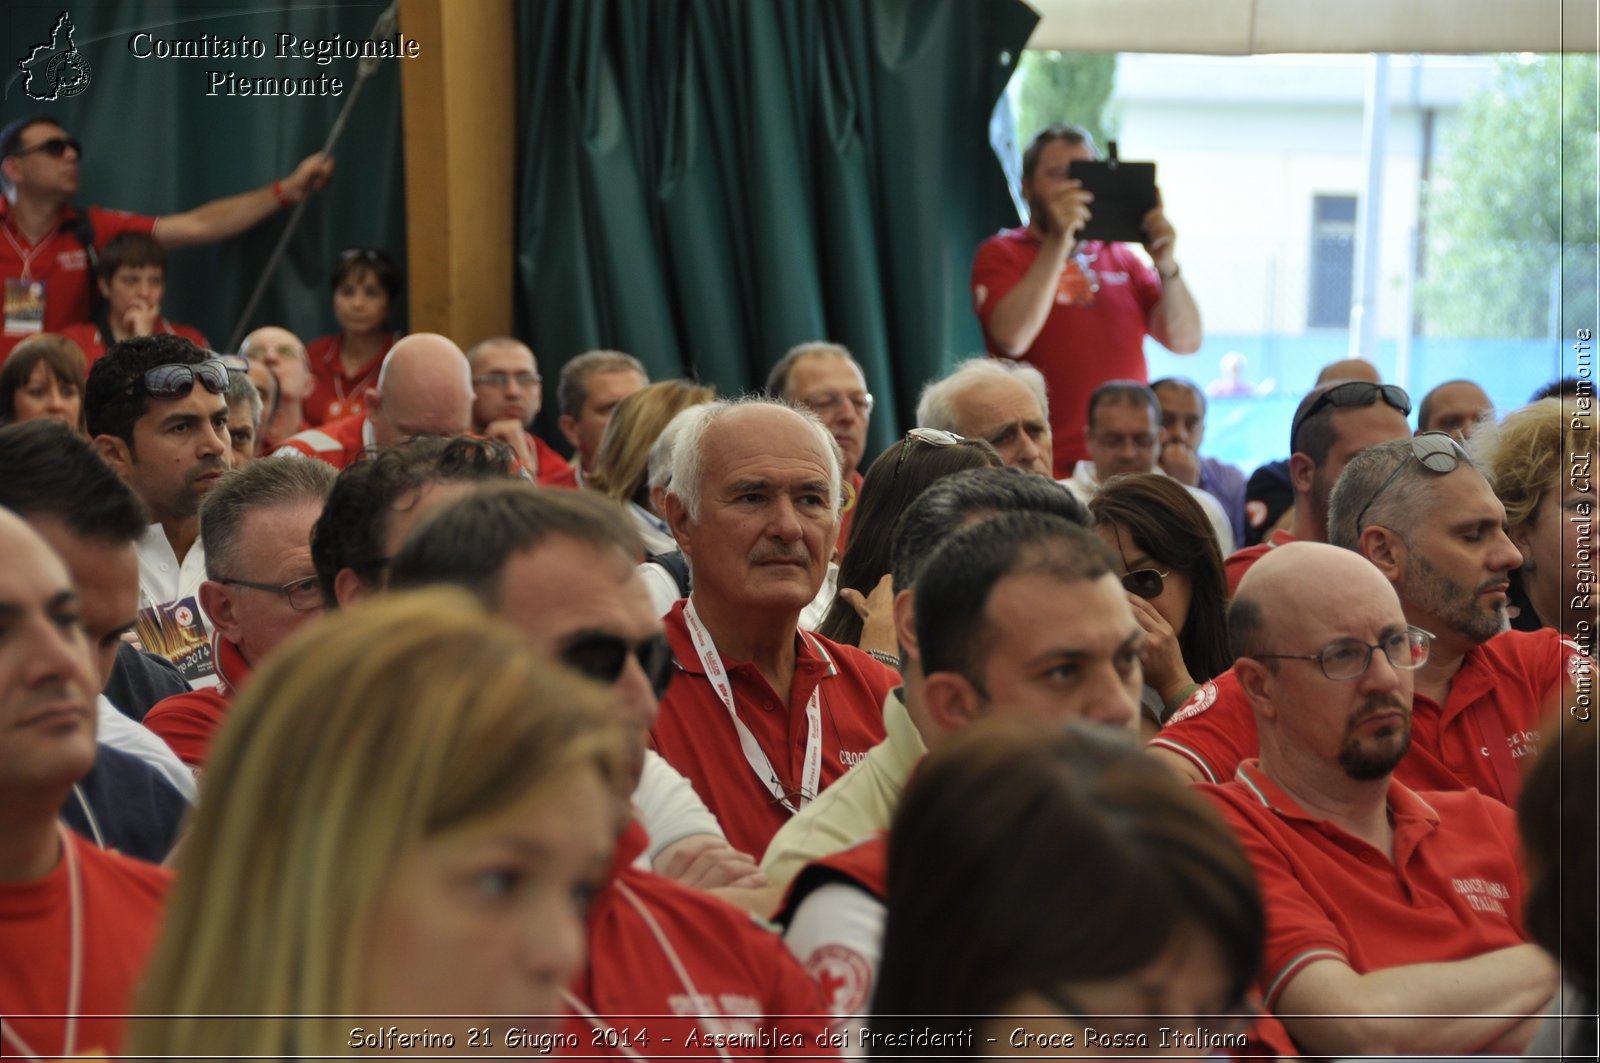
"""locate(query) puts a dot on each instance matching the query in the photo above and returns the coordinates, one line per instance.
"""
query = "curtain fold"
(704, 183)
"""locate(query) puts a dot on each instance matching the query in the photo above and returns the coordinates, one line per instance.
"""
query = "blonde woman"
(404, 815)
(621, 468)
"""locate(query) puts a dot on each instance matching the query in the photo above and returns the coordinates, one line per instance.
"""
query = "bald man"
(424, 389)
(1349, 369)
(1456, 407)
(282, 356)
(1394, 917)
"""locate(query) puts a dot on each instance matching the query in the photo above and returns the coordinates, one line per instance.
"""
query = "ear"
(372, 400)
(569, 428)
(1301, 469)
(1386, 550)
(217, 600)
(905, 624)
(677, 515)
(951, 700)
(116, 451)
(105, 289)
(1254, 678)
(348, 588)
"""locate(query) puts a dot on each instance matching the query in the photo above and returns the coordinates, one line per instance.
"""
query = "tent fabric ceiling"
(1257, 27)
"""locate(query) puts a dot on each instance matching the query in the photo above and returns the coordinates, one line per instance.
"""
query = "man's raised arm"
(232, 215)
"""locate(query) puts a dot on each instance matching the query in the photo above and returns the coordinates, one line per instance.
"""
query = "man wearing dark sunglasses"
(1422, 513)
(1387, 910)
(260, 587)
(1332, 424)
(47, 245)
(156, 411)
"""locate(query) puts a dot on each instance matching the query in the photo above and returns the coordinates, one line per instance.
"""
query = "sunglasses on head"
(1145, 582)
(603, 658)
(55, 147)
(1437, 451)
(934, 437)
(176, 381)
(1352, 393)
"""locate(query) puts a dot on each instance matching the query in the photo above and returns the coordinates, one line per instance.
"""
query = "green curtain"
(704, 183)
(155, 143)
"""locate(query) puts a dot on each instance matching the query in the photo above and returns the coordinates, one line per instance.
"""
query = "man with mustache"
(1394, 917)
(157, 411)
(760, 716)
(1424, 516)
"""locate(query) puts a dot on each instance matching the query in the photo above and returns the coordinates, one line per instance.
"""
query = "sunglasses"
(1437, 451)
(934, 437)
(603, 658)
(1353, 393)
(176, 381)
(55, 147)
(1145, 582)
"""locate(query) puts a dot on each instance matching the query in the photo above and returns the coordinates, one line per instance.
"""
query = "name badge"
(24, 306)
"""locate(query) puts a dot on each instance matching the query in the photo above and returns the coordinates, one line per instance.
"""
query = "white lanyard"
(27, 258)
(754, 755)
(69, 1038)
(677, 967)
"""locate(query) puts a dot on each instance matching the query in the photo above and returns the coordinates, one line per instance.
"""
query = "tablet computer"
(1124, 192)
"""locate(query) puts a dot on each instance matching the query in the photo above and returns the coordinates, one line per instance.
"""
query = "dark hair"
(469, 542)
(114, 398)
(1024, 857)
(1068, 134)
(129, 249)
(1126, 393)
(572, 386)
(778, 378)
(354, 525)
(1166, 522)
(1314, 436)
(956, 500)
(954, 632)
(1181, 382)
(11, 137)
(48, 470)
(1565, 387)
(374, 260)
(1556, 816)
(891, 484)
(65, 359)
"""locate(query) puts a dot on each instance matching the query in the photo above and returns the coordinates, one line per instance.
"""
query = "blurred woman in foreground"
(404, 815)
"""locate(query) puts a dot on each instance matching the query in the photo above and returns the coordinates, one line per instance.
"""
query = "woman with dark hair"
(1069, 893)
(43, 377)
(1172, 571)
(366, 292)
(894, 481)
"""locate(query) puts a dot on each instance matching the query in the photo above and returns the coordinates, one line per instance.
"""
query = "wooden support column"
(459, 105)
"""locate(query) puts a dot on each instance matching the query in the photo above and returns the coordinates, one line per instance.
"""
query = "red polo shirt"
(59, 262)
(338, 442)
(1453, 890)
(553, 470)
(122, 903)
(336, 394)
(1507, 682)
(87, 335)
(709, 959)
(189, 722)
(695, 735)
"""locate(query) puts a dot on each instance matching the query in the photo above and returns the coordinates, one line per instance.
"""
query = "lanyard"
(28, 257)
(754, 755)
(338, 372)
(69, 1037)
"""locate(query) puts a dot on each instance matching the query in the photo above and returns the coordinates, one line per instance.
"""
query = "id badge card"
(24, 306)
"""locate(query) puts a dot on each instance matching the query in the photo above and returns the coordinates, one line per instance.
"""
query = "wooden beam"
(459, 104)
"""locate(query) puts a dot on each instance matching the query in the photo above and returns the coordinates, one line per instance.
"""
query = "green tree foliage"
(1513, 207)
(1071, 87)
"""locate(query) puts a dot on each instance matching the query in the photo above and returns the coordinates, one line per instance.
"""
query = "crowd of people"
(340, 713)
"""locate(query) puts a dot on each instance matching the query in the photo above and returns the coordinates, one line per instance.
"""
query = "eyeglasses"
(828, 401)
(235, 363)
(603, 658)
(500, 380)
(934, 437)
(1145, 582)
(1344, 659)
(304, 594)
(1438, 451)
(176, 381)
(1353, 393)
(55, 147)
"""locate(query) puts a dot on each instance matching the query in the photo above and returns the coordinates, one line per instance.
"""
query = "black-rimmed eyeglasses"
(1349, 658)
(304, 595)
